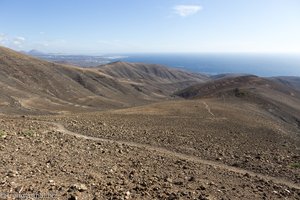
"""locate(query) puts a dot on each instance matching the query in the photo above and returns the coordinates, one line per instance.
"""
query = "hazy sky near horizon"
(131, 26)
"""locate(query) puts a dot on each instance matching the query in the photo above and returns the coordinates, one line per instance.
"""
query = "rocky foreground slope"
(173, 150)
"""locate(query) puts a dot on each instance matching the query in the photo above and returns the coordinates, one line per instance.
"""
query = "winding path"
(208, 108)
(62, 129)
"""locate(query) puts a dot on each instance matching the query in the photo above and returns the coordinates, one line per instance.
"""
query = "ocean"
(257, 64)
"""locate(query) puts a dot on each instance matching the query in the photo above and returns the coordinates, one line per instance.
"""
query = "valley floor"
(192, 149)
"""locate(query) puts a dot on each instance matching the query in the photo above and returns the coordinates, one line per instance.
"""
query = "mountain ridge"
(29, 82)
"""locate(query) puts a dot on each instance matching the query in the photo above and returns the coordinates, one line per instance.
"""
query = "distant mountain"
(33, 86)
(141, 71)
(34, 52)
(228, 75)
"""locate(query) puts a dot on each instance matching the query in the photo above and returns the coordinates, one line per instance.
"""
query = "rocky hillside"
(35, 86)
(278, 97)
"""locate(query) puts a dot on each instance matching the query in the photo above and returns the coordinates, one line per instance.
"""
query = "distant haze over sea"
(258, 64)
(213, 63)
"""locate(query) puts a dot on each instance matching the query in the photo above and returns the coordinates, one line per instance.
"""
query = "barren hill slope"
(140, 71)
(278, 98)
(292, 81)
(151, 79)
(31, 85)
(234, 137)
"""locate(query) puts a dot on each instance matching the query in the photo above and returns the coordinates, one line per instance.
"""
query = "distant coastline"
(212, 64)
(258, 64)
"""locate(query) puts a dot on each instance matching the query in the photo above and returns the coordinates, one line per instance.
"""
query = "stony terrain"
(248, 139)
(39, 157)
(120, 132)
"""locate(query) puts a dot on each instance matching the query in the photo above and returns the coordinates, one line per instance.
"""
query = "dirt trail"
(62, 129)
(208, 108)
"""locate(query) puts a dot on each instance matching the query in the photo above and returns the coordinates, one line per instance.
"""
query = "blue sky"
(129, 26)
